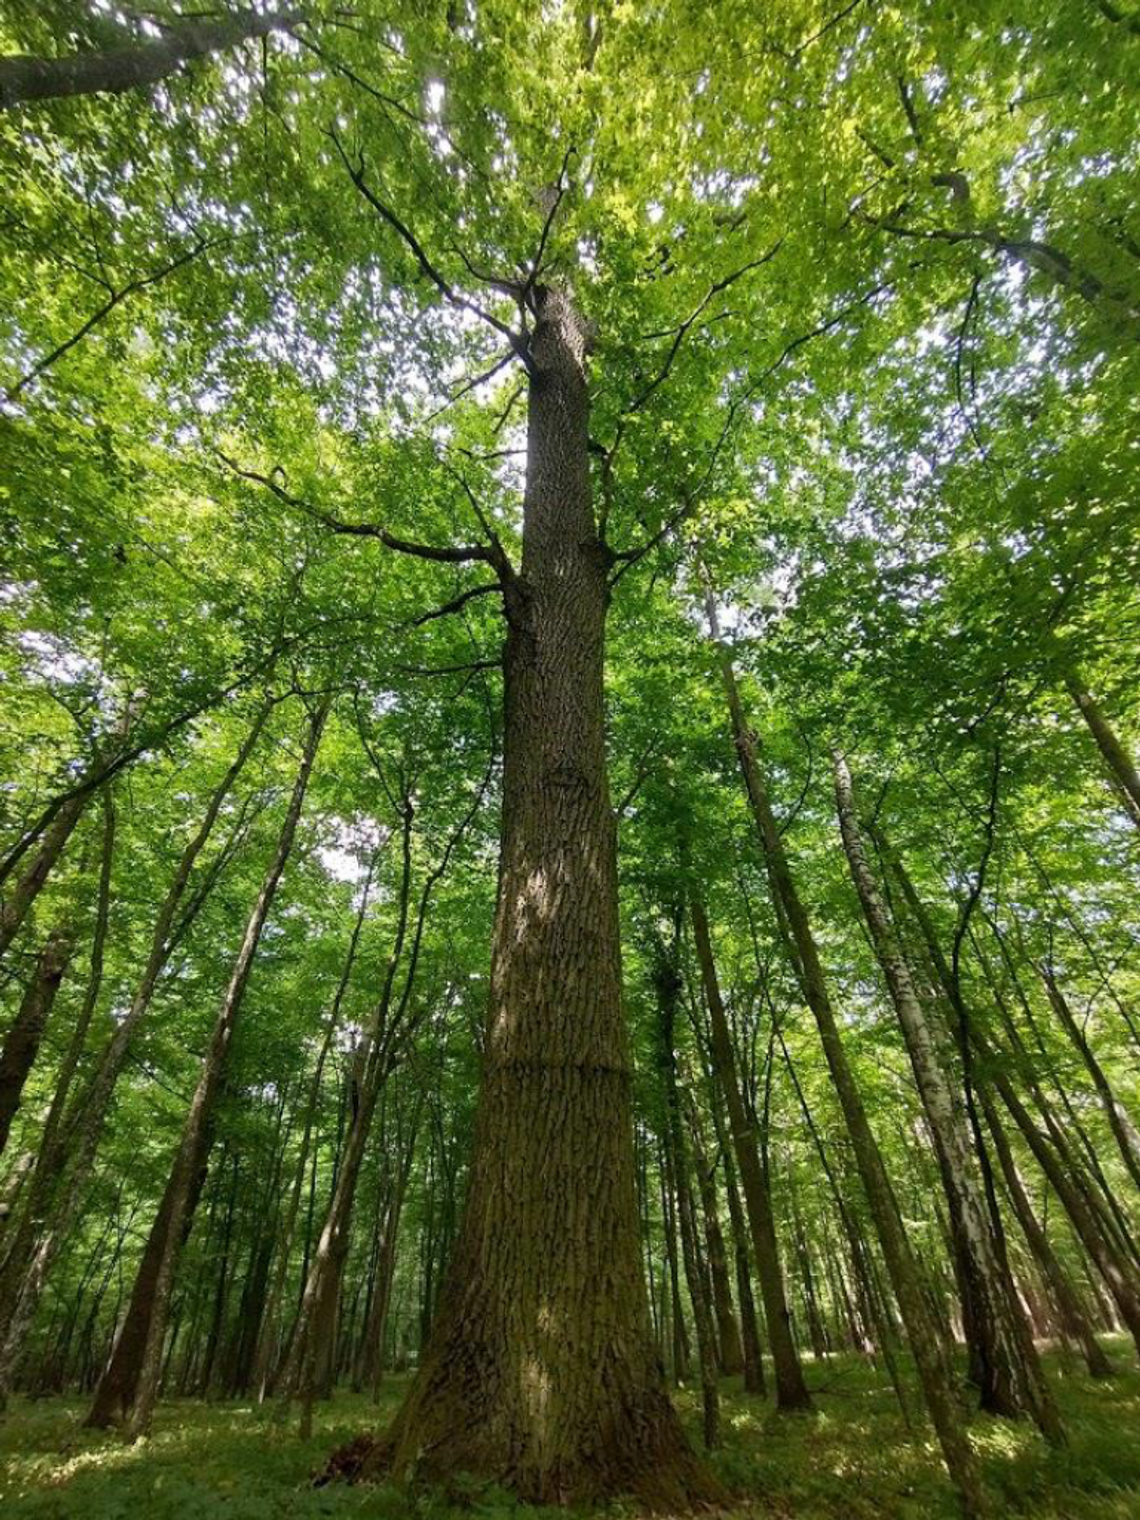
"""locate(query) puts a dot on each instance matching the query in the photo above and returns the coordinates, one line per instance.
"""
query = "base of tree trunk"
(644, 1455)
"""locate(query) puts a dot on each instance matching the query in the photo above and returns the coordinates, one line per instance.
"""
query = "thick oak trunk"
(540, 1373)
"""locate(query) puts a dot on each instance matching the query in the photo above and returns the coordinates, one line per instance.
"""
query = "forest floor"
(853, 1459)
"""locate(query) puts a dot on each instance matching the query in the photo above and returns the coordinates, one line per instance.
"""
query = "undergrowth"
(854, 1459)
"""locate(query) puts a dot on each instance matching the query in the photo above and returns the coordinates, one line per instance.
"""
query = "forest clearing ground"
(853, 1459)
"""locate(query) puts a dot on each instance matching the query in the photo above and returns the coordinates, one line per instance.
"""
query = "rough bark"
(117, 69)
(791, 1389)
(540, 1373)
(922, 1332)
(1012, 1382)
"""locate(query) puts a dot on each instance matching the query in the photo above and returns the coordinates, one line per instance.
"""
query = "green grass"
(853, 1460)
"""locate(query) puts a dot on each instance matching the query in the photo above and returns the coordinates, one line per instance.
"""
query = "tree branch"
(114, 70)
(116, 298)
(356, 172)
(457, 554)
(457, 603)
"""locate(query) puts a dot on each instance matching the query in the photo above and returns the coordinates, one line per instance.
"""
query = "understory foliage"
(854, 296)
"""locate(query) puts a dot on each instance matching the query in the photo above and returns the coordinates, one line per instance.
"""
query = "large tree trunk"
(922, 1332)
(1012, 1382)
(179, 1201)
(540, 1373)
(115, 69)
(791, 1390)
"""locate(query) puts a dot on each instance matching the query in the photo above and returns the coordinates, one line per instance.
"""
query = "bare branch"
(561, 185)
(116, 298)
(457, 554)
(691, 498)
(457, 603)
(681, 332)
(448, 670)
(472, 384)
(356, 172)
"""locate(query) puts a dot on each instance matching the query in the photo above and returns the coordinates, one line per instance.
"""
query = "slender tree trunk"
(922, 1332)
(64, 1165)
(1050, 1153)
(731, 1356)
(1121, 766)
(49, 1159)
(678, 1340)
(17, 905)
(668, 986)
(1073, 1318)
(116, 69)
(117, 1383)
(176, 1214)
(22, 1041)
(817, 1330)
(1119, 1119)
(267, 1342)
(1012, 1382)
(540, 1372)
(791, 1389)
(749, 1326)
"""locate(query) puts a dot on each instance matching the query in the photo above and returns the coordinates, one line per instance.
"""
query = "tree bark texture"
(540, 1373)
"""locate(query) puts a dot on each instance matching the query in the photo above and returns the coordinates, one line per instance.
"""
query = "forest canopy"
(569, 757)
